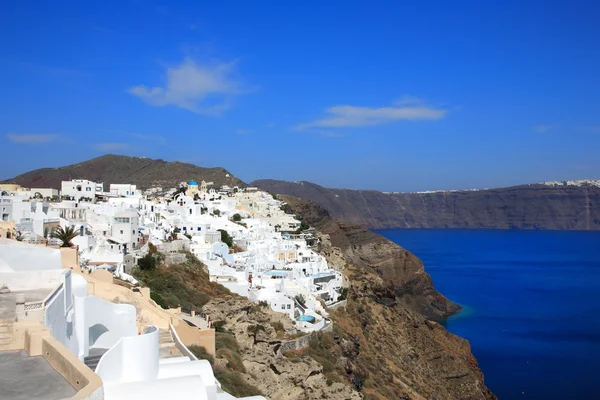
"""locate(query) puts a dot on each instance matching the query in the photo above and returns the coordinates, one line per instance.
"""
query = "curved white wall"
(109, 322)
(200, 368)
(132, 359)
(188, 387)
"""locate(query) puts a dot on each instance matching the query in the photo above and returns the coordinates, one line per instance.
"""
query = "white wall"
(62, 324)
(187, 387)
(200, 368)
(30, 280)
(101, 324)
(132, 359)
(21, 257)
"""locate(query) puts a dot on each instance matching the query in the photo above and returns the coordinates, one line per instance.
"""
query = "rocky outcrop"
(388, 344)
(523, 207)
(277, 376)
(397, 275)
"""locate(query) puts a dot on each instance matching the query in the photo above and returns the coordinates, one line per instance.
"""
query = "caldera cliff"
(560, 206)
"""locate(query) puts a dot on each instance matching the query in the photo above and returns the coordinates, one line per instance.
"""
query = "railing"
(52, 296)
(34, 305)
(179, 344)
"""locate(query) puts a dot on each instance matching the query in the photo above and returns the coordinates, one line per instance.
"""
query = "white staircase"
(167, 345)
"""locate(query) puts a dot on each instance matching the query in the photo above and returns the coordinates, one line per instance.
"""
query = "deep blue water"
(531, 304)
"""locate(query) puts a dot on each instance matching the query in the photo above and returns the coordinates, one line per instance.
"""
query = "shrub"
(226, 238)
(152, 249)
(278, 326)
(147, 263)
(343, 294)
(226, 341)
(300, 299)
(228, 348)
(217, 212)
(233, 383)
(234, 360)
(201, 353)
(237, 217)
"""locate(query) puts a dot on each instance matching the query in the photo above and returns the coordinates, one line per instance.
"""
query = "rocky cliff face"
(522, 207)
(383, 345)
(399, 276)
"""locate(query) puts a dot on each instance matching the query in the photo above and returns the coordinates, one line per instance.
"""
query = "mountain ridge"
(141, 171)
(533, 206)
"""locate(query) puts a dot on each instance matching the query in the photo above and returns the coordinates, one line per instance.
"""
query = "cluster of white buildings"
(268, 259)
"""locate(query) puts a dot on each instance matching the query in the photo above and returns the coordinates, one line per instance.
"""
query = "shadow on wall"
(95, 332)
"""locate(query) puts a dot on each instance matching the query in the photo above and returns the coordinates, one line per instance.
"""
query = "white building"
(125, 190)
(124, 228)
(78, 188)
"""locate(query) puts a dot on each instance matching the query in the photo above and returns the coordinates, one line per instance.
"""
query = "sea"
(531, 304)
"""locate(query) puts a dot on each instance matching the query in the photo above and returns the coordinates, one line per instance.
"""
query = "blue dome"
(192, 183)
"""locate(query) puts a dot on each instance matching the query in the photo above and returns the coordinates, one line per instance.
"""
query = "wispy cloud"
(202, 89)
(111, 146)
(543, 128)
(32, 138)
(407, 108)
(149, 138)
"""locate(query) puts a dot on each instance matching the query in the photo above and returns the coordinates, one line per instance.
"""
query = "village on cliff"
(76, 302)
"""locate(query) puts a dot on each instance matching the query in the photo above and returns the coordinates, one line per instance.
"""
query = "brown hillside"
(140, 171)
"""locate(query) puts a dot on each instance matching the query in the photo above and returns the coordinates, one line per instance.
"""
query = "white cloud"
(407, 108)
(543, 128)
(111, 146)
(202, 89)
(32, 138)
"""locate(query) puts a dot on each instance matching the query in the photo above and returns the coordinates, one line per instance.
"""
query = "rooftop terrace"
(8, 301)
(23, 377)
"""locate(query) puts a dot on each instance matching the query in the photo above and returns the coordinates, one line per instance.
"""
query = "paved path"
(25, 378)
(196, 320)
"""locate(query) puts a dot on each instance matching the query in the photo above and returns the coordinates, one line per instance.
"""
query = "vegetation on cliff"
(384, 343)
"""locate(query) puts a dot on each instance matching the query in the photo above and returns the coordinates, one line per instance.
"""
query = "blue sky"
(395, 96)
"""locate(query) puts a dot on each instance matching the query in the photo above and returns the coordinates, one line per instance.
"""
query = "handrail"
(52, 295)
(180, 345)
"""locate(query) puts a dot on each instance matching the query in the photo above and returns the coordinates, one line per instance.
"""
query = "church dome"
(192, 183)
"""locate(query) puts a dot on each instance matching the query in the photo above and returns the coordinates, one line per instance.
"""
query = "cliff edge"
(559, 206)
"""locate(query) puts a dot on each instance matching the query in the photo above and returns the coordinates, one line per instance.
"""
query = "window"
(132, 193)
(133, 232)
(283, 306)
(121, 220)
(289, 307)
(121, 231)
(185, 228)
(198, 228)
(88, 189)
(127, 192)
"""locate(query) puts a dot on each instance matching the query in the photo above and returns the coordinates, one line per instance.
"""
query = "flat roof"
(23, 378)
(8, 303)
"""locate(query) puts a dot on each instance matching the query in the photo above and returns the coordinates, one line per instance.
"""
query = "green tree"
(217, 212)
(237, 217)
(147, 263)
(226, 238)
(65, 235)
